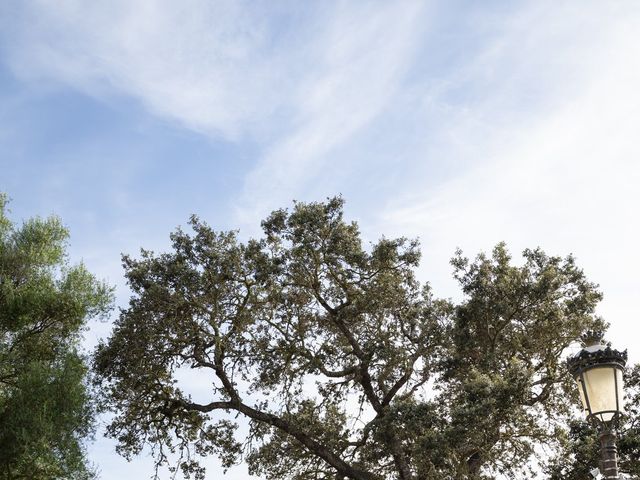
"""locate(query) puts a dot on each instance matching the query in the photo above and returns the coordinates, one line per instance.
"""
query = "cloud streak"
(215, 67)
(297, 82)
(563, 175)
(366, 52)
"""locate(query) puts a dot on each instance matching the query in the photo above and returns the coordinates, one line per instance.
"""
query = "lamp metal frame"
(601, 357)
(587, 360)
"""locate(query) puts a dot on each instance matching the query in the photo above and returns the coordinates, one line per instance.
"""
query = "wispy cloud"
(365, 52)
(215, 67)
(297, 82)
(562, 174)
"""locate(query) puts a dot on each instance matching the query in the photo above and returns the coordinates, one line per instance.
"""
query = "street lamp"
(597, 369)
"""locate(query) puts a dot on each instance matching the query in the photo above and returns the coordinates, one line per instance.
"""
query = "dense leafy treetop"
(342, 364)
(45, 409)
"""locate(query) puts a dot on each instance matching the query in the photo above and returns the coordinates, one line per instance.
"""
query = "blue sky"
(462, 123)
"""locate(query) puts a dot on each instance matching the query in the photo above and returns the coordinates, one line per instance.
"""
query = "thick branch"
(310, 443)
(365, 381)
(342, 467)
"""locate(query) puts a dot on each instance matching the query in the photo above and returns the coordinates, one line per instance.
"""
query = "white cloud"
(212, 66)
(299, 82)
(564, 176)
(365, 54)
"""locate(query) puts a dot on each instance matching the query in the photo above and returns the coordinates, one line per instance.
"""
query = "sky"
(461, 123)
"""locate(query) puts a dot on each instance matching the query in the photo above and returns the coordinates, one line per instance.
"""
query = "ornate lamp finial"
(592, 337)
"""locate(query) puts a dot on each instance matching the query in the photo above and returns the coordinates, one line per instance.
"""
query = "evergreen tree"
(45, 407)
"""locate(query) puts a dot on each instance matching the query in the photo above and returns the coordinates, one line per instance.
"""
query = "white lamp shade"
(603, 389)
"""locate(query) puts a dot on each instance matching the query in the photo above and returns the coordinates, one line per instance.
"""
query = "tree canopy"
(45, 407)
(339, 361)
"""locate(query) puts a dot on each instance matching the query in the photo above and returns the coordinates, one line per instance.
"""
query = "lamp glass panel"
(620, 390)
(600, 386)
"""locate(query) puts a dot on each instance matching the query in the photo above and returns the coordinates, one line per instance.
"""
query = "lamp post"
(597, 369)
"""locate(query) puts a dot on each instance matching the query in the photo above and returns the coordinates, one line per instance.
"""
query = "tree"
(45, 407)
(342, 364)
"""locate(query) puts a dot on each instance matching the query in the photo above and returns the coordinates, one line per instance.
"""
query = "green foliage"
(45, 408)
(342, 363)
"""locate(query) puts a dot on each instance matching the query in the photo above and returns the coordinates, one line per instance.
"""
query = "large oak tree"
(339, 361)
